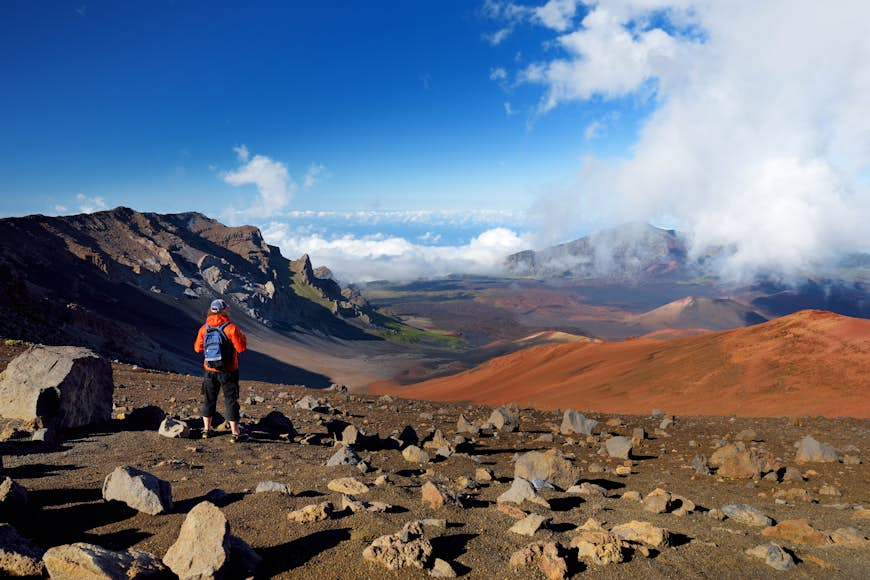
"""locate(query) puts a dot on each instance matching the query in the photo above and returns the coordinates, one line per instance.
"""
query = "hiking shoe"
(238, 438)
(207, 434)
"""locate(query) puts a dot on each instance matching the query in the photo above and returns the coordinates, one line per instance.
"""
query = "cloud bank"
(760, 135)
(383, 257)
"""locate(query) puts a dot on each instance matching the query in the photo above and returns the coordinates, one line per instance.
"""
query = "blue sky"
(560, 116)
(141, 104)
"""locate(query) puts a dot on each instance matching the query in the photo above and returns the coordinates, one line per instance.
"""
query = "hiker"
(221, 341)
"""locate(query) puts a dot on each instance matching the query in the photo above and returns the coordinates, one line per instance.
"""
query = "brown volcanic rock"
(820, 359)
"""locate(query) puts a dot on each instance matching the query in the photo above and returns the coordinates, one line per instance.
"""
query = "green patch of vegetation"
(12, 342)
(395, 330)
(311, 293)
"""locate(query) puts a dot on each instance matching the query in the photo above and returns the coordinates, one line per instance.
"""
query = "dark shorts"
(212, 384)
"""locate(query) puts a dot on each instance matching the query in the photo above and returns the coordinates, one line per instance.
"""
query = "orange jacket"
(233, 332)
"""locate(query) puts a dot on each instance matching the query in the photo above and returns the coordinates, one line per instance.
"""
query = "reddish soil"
(809, 363)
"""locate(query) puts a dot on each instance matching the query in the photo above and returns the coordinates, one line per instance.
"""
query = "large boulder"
(202, 549)
(808, 449)
(576, 423)
(87, 561)
(64, 386)
(138, 489)
(549, 466)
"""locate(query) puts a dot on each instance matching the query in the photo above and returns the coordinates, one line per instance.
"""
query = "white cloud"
(90, 204)
(508, 109)
(242, 153)
(499, 35)
(592, 130)
(383, 257)
(557, 14)
(274, 185)
(497, 74)
(313, 175)
(760, 136)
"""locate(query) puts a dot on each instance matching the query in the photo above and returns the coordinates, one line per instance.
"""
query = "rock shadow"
(50, 497)
(37, 470)
(120, 540)
(564, 504)
(451, 547)
(185, 505)
(606, 484)
(284, 557)
(69, 524)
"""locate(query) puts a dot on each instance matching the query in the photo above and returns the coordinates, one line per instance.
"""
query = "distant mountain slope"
(632, 251)
(132, 285)
(698, 312)
(811, 362)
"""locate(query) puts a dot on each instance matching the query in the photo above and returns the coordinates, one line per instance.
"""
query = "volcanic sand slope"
(698, 312)
(809, 363)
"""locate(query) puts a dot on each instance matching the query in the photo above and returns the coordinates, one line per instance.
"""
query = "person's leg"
(231, 399)
(210, 388)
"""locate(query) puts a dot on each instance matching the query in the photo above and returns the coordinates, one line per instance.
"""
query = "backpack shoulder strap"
(224, 325)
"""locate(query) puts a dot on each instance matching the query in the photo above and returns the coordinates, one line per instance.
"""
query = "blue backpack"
(217, 348)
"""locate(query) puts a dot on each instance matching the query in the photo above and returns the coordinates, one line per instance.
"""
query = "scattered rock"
(203, 544)
(747, 436)
(87, 561)
(511, 510)
(597, 545)
(546, 556)
(849, 537)
(310, 403)
(792, 494)
(576, 423)
(18, 555)
(276, 423)
(344, 456)
(463, 425)
(667, 422)
(504, 420)
(442, 569)
(618, 447)
(13, 497)
(773, 555)
(699, 464)
(549, 466)
(414, 454)
(348, 485)
(638, 434)
(589, 489)
(139, 490)
(483, 474)
(522, 490)
(810, 450)
(437, 496)
(173, 429)
(311, 513)
(630, 496)
(64, 386)
(404, 549)
(792, 474)
(746, 514)
(657, 501)
(267, 486)
(529, 525)
(643, 532)
(796, 531)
